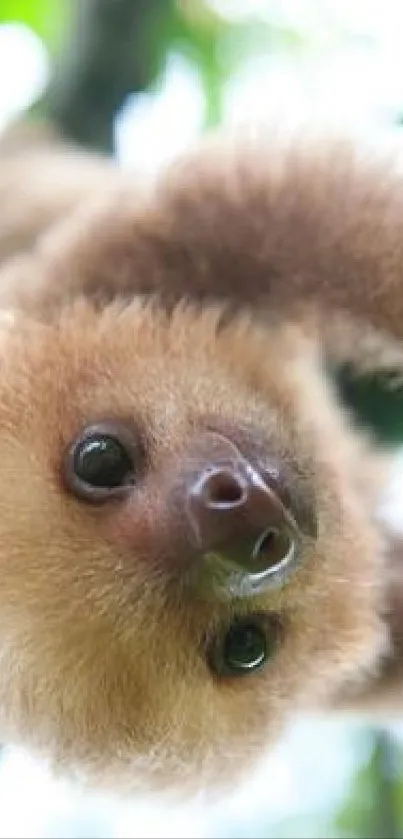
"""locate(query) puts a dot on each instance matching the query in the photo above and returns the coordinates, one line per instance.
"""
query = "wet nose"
(238, 522)
(229, 503)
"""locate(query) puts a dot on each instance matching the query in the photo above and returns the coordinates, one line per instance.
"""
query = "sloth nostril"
(223, 490)
(265, 543)
(273, 547)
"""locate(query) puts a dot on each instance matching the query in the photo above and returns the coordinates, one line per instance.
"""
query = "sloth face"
(182, 542)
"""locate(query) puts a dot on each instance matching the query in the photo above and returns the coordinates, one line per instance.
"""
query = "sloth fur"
(215, 297)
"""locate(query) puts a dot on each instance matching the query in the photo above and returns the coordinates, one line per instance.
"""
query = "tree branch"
(113, 48)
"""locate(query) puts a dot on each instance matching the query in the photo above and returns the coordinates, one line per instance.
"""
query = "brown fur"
(103, 662)
(280, 230)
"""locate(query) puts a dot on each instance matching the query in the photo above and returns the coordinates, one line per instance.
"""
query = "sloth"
(190, 551)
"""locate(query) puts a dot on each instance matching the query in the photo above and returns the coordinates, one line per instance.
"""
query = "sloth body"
(194, 319)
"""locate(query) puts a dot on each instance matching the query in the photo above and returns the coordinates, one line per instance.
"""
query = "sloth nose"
(239, 524)
(229, 502)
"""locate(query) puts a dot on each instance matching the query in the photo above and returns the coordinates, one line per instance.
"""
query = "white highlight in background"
(380, 19)
(24, 68)
(154, 127)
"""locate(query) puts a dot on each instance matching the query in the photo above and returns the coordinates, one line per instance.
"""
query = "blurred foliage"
(47, 18)
(218, 48)
(374, 808)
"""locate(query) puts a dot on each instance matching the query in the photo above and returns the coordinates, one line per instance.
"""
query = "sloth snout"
(236, 522)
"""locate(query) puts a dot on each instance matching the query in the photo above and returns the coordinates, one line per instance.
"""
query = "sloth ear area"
(367, 373)
(365, 367)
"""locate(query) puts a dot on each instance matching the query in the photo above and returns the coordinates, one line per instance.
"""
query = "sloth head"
(182, 541)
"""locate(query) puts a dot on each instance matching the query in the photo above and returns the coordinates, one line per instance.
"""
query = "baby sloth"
(188, 548)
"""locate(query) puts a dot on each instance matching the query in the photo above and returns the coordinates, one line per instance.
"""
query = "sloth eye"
(103, 462)
(248, 644)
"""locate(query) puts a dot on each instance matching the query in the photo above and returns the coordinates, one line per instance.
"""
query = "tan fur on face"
(102, 657)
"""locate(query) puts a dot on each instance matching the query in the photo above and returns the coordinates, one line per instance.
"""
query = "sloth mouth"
(252, 569)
